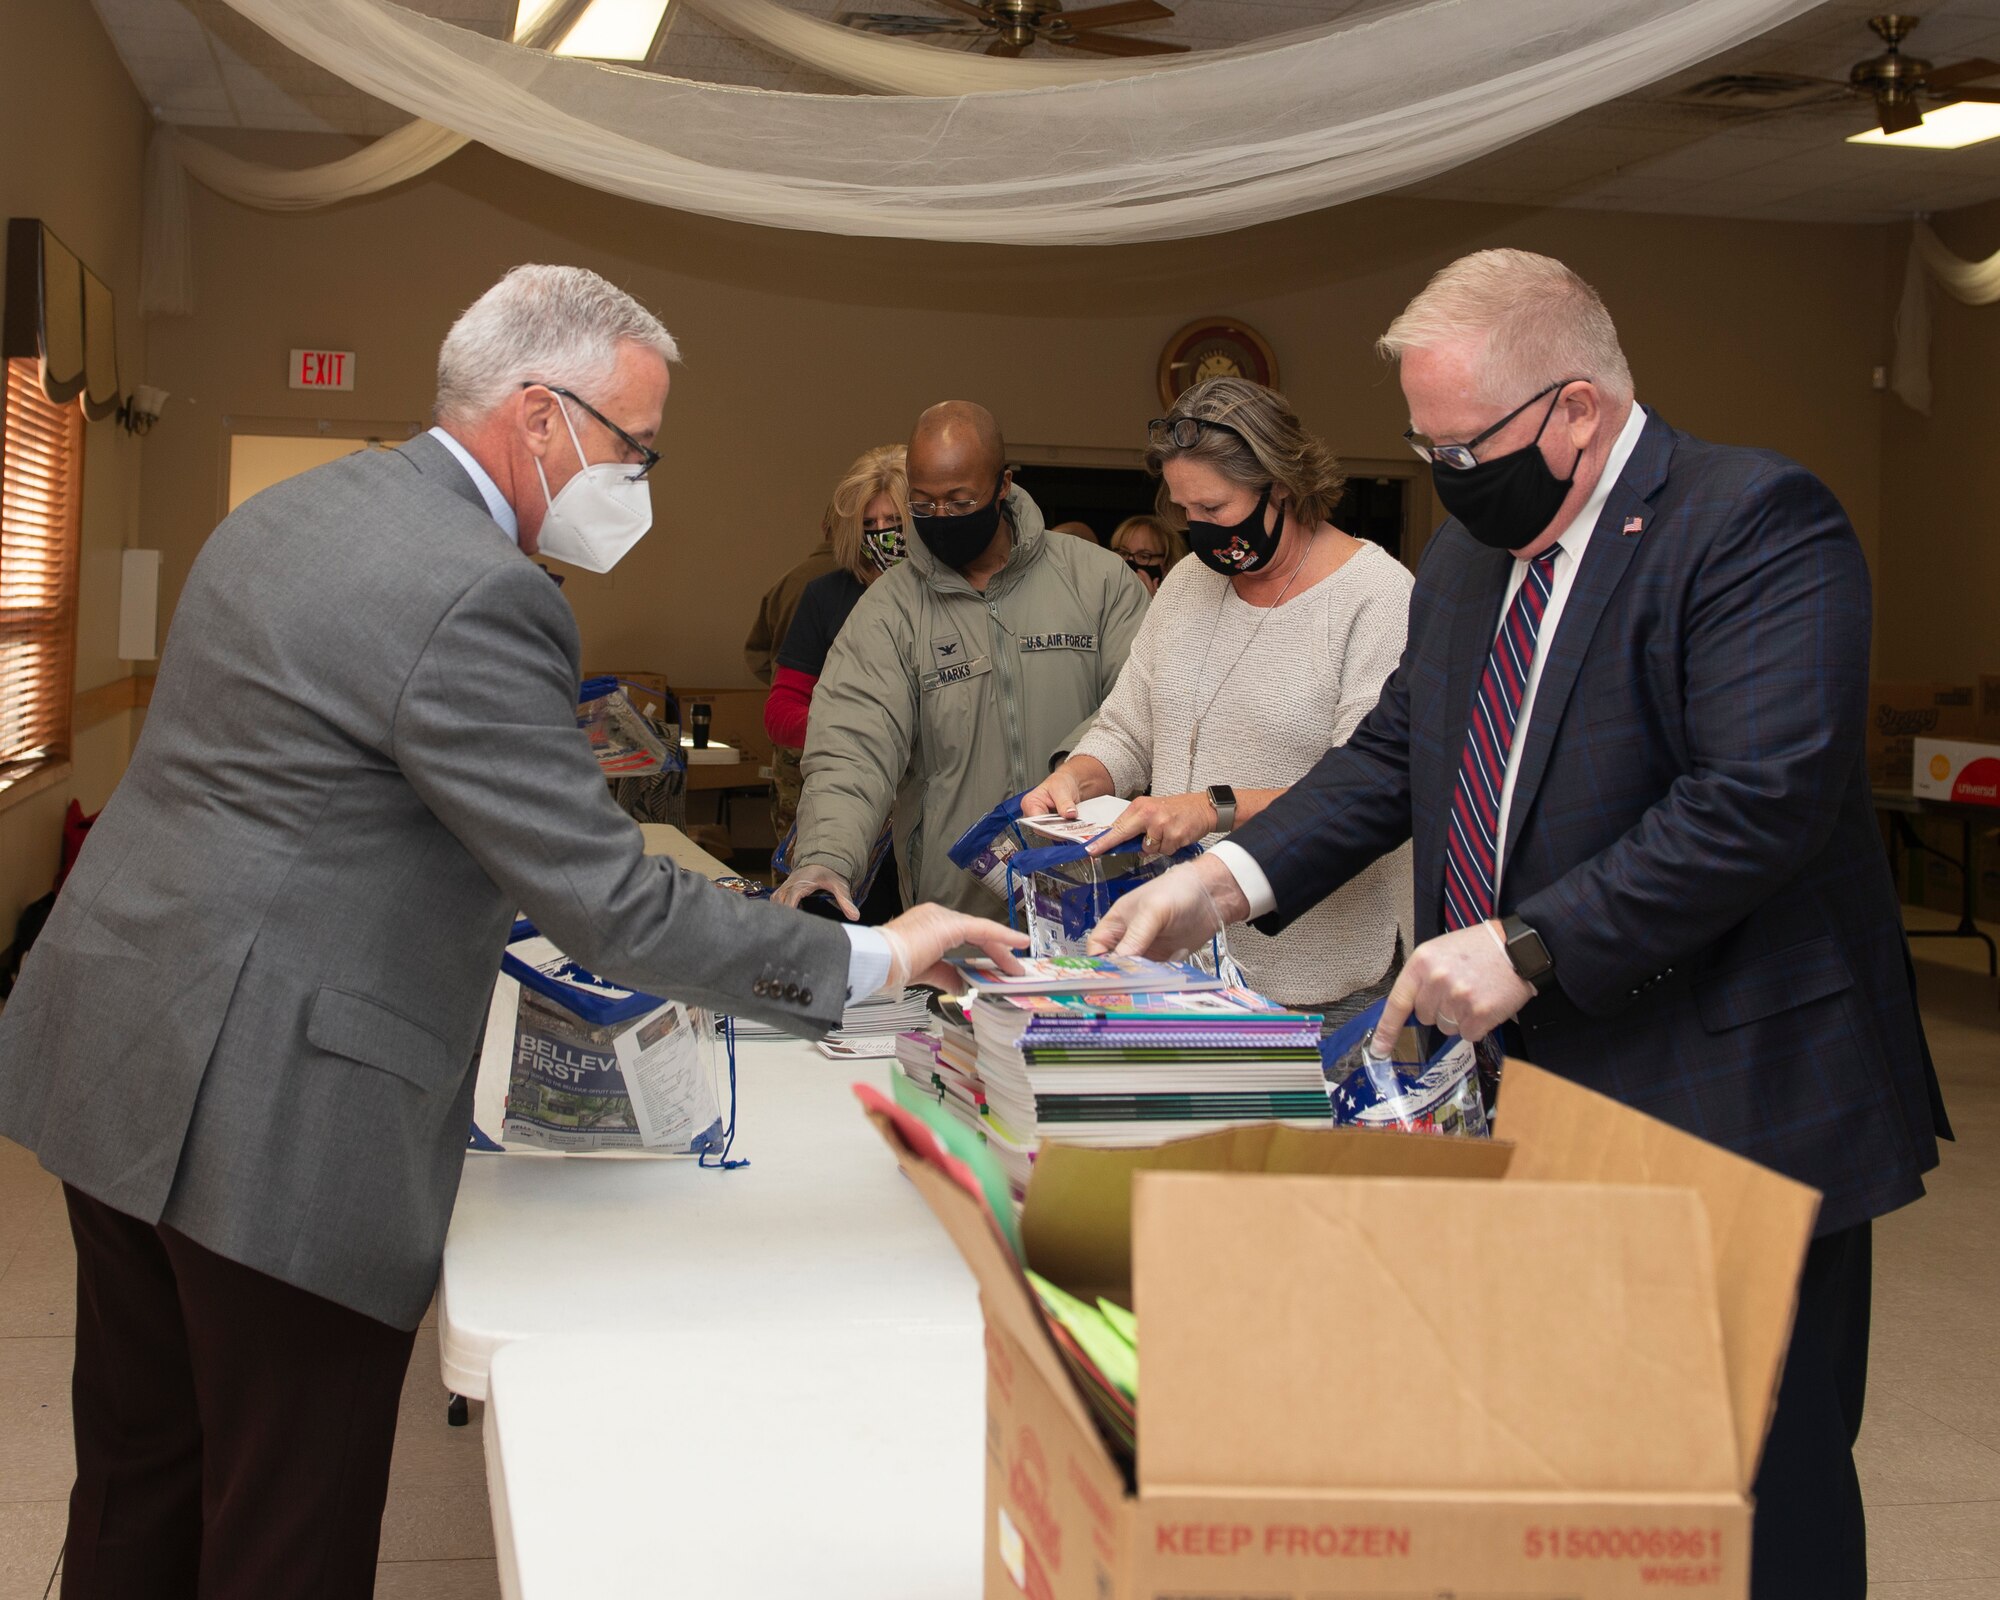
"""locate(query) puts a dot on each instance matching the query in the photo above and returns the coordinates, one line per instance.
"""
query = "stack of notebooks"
(868, 1028)
(941, 1069)
(1116, 1051)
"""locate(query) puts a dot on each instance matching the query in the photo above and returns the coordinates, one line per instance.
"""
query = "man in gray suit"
(243, 1040)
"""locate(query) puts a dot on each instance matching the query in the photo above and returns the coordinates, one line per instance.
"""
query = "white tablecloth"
(821, 1227)
(842, 1462)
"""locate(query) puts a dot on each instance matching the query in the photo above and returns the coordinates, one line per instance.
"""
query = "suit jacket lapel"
(1605, 560)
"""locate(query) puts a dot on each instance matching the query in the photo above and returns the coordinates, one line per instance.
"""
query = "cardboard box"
(1986, 719)
(1952, 769)
(1901, 713)
(1380, 1364)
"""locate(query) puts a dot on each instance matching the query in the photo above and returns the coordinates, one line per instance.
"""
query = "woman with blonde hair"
(866, 521)
(1149, 546)
(1253, 660)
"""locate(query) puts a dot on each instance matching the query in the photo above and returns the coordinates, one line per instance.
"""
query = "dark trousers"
(232, 1432)
(1810, 1539)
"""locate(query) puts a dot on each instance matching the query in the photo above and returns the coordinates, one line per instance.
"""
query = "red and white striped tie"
(1472, 846)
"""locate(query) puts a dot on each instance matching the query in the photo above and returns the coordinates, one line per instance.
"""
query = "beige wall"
(1938, 601)
(75, 133)
(801, 350)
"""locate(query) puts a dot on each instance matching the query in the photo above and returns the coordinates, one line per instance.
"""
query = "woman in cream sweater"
(1253, 660)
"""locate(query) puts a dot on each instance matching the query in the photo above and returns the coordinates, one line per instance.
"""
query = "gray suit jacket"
(253, 1012)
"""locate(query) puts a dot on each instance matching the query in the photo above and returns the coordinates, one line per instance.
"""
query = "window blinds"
(41, 467)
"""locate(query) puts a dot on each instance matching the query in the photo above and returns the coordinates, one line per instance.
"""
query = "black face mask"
(959, 541)
(1237, 547)
(1147, 567)
(1506, 503)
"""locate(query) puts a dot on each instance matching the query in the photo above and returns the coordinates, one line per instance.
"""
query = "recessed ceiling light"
(615, 30)
(1949, 127)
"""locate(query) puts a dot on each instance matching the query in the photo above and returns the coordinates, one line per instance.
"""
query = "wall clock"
(1215, 347)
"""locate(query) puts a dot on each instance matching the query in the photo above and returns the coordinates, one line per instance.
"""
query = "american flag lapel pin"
(1633, 525)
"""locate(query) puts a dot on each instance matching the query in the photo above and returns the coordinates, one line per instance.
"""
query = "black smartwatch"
(1223, 798)
(1531, 958)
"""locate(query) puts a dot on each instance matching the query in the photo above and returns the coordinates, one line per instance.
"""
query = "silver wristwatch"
(1223, 798)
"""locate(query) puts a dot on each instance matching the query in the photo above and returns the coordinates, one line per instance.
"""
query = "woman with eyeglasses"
(1149, 546)
(866, 520)
(1253, 660)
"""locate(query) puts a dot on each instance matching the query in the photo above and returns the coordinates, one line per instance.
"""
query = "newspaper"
(578, 1086)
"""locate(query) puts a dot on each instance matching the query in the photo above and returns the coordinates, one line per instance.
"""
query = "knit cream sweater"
(1305, 681)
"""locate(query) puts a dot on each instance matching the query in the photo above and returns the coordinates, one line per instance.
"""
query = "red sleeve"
(787, 706)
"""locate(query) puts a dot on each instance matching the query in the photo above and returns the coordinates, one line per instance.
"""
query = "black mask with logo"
(960, 541)
(1231, 548)
(1507, 502)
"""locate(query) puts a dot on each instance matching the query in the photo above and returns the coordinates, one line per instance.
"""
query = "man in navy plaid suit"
(1626, 738)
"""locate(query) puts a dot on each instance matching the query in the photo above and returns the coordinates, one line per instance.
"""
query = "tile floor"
(1930, 1451)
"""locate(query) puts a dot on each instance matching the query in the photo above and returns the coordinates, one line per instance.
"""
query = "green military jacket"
(938, 701)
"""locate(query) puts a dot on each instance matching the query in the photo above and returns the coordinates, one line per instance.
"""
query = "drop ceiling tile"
(1717, 157)
(1952, 197)
(153, 41)
(473, 13)
(171, 77)
(121, 14)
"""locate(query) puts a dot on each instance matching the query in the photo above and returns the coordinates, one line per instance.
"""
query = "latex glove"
(1164, 824)
(923, 936)
(1459, 983)
(1056, 795)
(1180, 910)
(818, 880)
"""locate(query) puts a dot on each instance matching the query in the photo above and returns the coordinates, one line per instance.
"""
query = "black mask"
(1150, 567)
(959, 541)
(1237, 547)
(1505, 503)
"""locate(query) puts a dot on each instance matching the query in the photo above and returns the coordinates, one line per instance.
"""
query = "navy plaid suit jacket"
(1691, 833)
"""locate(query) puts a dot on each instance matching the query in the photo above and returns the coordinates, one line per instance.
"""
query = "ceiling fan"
(1013, 25)
(1899, 85)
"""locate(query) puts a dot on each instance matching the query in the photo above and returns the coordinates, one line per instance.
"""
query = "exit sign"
(322, 369)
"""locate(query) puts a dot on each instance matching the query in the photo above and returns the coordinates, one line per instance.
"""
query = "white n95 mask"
(600, 513)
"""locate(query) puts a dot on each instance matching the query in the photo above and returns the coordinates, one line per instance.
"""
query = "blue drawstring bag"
(578, 1041)
(985, 848)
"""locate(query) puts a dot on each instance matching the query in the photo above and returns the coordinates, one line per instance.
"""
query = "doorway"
(1099, 497)
(260, 451)
(1386, 502)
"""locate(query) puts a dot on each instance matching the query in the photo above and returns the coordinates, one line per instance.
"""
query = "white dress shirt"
(868, 958)
(482, 480)
(1242, 865)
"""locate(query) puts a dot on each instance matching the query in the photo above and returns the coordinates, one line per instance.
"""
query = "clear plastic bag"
(624, 742)
(1438, 1094)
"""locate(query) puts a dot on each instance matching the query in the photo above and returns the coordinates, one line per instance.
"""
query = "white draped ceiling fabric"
(1976, 283)
(974, 148)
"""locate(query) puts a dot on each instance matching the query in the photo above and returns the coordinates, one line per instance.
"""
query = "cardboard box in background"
(1379, 1364)
(1958, 770)
(1901, 713)
(1986, 720)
